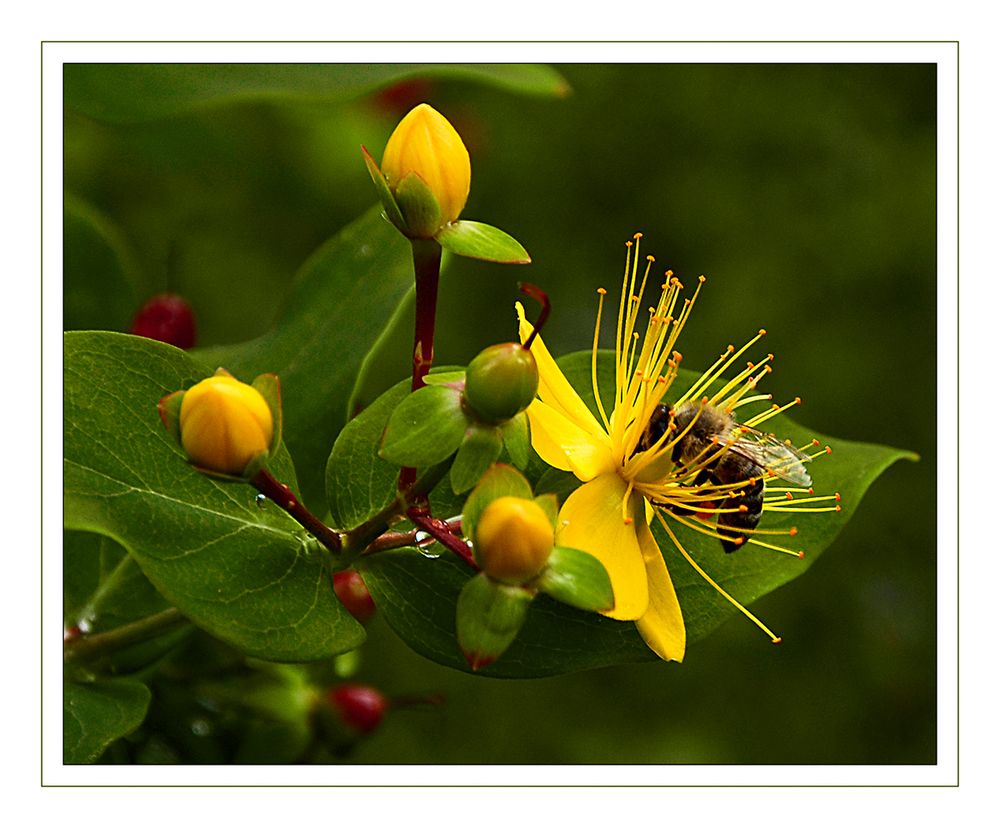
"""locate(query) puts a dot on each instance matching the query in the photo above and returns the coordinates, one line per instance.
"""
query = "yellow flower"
(426, 145)
(629, 476)
(224, 424)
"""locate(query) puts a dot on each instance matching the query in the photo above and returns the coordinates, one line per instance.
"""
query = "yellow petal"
(563, 444)
(553, 387)
(662, 625)
(591, 519)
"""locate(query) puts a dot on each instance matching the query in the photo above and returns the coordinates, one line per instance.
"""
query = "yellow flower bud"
(513, 540)
(426, 144)
(224, 424)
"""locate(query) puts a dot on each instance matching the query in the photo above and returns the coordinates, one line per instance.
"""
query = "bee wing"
(767, 451)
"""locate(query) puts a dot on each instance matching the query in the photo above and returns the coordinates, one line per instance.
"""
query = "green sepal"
(269, 387)
(488, 618)
(476, 240)
(384, 193)
(445, 378)
(425, 428)
(420, 208)
(517, 439)
(480, 448)
(170, 413)
(577, 579)
(550, 505)
(499, 481)
(259, 462)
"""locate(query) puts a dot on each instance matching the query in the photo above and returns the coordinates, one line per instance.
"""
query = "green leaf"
(359, 483)
(499, 481)
(100, 278)
(144, 91)
(343, 295)
(426, 427)
(476, 240)
(104, 588)
(95, 715)
(247, 575)
(417, 596)
(480, 447)
(577, 579)
(488, 618)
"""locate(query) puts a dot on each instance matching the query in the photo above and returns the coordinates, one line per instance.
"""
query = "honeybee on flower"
(688, 462)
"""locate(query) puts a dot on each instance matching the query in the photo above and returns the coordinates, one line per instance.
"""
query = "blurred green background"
(806, 195)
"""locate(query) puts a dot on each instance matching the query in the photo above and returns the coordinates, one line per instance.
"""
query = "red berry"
(166, 318)
(354, 595)
(360, 706)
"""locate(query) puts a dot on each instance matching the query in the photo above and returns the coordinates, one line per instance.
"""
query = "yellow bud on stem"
(426, 145)
(225, 424)
(514, 539)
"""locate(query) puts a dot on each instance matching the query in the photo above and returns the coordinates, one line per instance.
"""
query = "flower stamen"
(775, 639)
(601, 292)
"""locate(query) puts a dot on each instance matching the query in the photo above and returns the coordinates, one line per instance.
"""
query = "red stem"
(542, 298)
(441, 532)
(427, 273)
(282, 495)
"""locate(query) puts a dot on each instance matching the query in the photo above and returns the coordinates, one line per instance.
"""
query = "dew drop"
(260, 501)
(200, 727)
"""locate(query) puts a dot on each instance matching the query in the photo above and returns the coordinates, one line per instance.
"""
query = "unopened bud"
(225, 424)
(501, 381)
(166, 318)
(359, 706)
(513, 539)
(426, 156)
(354, 595)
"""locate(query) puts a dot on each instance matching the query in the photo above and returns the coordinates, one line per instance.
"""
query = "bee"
(728, 453)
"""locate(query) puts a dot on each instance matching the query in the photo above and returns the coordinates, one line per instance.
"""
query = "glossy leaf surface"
(95, 715)
(248, 575)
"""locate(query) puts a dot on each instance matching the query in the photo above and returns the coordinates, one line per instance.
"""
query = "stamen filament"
(771, 412)
(717, 588)
(601, 292)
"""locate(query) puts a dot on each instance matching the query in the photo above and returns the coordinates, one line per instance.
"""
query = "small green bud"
(501, 382)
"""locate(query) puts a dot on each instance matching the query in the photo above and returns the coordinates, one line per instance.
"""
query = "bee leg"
(736, 526)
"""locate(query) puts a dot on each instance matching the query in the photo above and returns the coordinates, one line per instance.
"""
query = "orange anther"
(602, 291)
